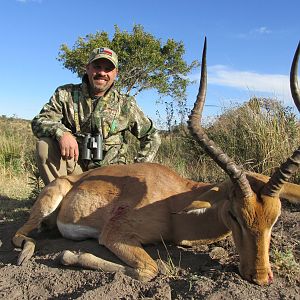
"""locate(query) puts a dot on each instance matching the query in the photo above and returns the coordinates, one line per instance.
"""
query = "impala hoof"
(68, 258)
(26, 253)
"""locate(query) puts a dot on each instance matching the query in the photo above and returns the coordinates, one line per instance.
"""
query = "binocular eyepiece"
(92, 148)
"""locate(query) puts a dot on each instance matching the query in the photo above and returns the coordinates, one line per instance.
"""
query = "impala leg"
(132, 253)
(47, 202)
(90, 261)
(118, 237)
(140, 265)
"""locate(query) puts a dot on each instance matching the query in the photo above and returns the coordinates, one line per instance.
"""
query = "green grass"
(170, 269)
(284, 262)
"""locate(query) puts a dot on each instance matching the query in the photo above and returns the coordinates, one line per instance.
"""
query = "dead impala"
(126, 206)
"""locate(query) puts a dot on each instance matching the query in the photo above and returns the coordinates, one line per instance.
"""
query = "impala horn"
(235, 172)
(288, 168)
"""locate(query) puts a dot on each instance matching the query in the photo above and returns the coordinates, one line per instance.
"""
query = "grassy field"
(259, 135)
(16, 157)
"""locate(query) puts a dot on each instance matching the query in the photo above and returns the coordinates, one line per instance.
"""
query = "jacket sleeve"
(142, 128)
(49, 122)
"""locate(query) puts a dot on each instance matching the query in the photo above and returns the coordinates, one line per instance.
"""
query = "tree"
(144, 61)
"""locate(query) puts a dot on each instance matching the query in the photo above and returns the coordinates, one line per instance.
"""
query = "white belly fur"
(77, 232)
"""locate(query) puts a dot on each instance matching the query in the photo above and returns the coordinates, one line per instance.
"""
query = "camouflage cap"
(104, 52)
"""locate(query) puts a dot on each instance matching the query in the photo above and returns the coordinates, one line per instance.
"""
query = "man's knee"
(46, 148)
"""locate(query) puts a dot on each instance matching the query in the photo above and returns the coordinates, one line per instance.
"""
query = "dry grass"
(15, 187)
(260, 134)
(16, 158)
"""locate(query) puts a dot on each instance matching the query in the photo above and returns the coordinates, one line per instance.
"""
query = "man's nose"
(101, 71)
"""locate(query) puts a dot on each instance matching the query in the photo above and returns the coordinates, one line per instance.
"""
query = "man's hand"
(68, 146)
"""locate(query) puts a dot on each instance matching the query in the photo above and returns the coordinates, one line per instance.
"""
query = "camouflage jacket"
(71, 109)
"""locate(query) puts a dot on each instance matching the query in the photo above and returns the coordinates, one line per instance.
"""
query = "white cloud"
(262, 30)
(27, 1)
(274, 85)
(253, 33)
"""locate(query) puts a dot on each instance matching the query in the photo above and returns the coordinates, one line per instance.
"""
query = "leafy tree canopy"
(144, 61)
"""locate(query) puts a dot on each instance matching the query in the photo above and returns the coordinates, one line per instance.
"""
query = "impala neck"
(189, 229)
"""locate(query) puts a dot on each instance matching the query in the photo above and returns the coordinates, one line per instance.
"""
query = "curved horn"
(293, 78)
(288, 168)
(235, 172)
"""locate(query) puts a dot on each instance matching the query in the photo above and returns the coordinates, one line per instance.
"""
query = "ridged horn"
(288, 168)
(235, 172)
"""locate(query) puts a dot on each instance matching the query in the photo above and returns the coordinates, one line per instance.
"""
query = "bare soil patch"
(204, 272)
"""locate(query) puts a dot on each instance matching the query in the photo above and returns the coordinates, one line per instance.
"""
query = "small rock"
(218, 253)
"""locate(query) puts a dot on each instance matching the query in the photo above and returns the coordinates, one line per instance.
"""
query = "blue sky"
(250, 45)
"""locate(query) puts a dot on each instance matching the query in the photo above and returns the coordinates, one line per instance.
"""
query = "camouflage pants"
(50, 163)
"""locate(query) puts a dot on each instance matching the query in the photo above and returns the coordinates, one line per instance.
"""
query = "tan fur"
(138, 204)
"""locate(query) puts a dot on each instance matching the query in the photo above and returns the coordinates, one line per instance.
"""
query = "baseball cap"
(104, 52)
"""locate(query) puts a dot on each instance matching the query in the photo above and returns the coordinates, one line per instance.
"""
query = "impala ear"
(196, 207)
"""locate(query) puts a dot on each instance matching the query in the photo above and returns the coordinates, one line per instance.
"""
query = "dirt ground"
(206, 272)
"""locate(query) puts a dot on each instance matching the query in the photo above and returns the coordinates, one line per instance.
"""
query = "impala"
(126, 206)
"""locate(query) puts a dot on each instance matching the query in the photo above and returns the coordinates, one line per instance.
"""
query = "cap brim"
(104, 57)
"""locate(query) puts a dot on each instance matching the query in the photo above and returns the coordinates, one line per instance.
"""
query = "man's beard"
(100, 88)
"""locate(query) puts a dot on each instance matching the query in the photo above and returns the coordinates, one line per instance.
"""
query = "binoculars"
(92, 147)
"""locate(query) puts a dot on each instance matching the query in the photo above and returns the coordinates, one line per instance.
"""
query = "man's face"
(101, 74)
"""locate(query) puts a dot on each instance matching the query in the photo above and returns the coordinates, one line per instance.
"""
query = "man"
(83, 125)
